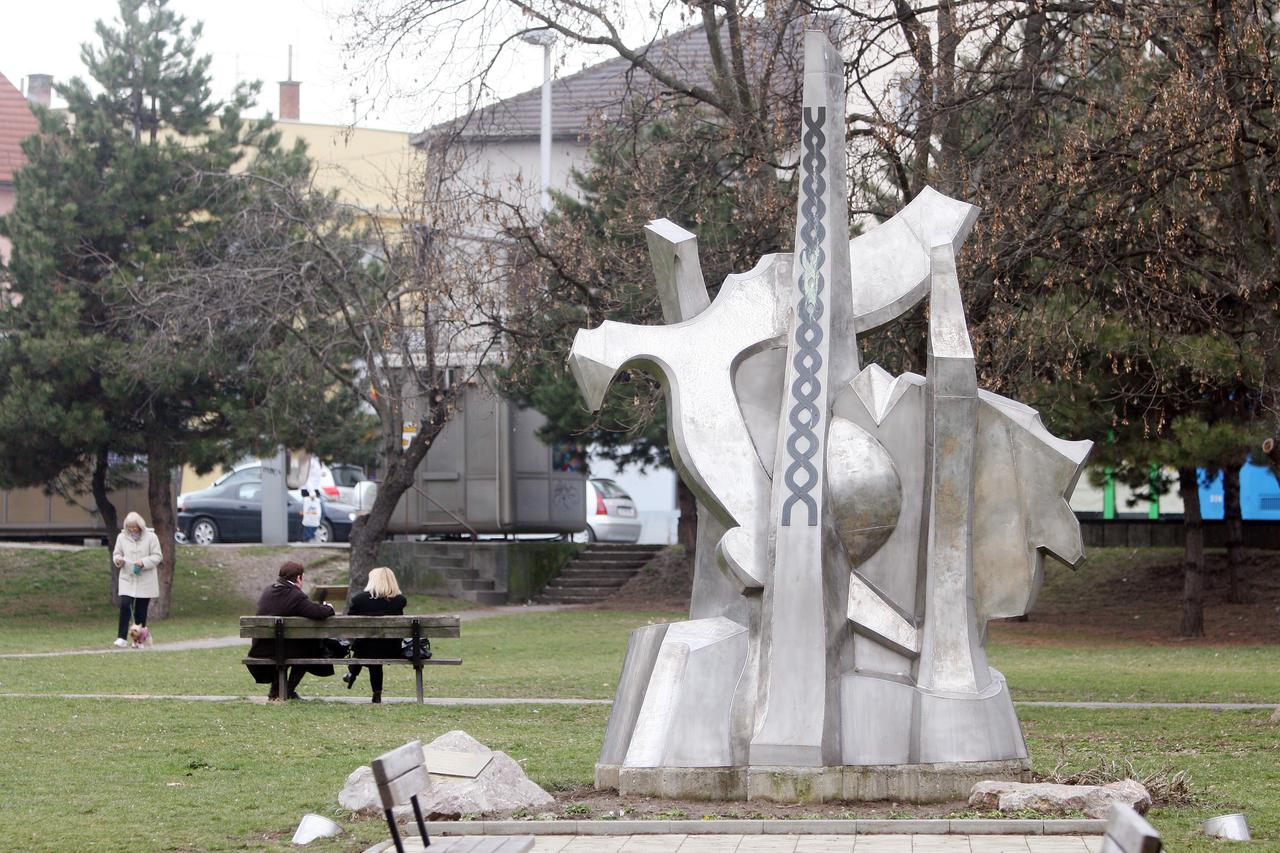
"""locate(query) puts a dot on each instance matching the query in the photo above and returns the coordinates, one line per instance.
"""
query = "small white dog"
(139, 636)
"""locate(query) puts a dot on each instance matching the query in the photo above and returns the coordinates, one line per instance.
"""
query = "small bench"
(282, 628)
(401, 775)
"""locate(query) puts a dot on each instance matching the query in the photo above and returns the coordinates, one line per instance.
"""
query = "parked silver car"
(611, 514)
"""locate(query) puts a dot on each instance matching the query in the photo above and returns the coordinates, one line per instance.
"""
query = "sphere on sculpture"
(866, 492)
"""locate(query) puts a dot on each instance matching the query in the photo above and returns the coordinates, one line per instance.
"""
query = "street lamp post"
(544, 38)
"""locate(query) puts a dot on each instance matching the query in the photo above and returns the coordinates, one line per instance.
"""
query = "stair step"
(489, 598)
(608, 564)
(600, 591)
(571, 599)
(438, 562)
(572, 572)
(612, 583)
(590, 569)
(458, 573)
(616, 550)
(475, 584)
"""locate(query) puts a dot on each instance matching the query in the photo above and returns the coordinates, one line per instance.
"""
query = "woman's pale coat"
(145, 584)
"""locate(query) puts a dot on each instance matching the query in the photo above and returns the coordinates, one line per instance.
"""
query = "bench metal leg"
(395, 833)
(422, 824)
(417, 672)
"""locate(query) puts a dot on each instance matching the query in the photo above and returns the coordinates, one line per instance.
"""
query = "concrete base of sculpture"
(904, 783)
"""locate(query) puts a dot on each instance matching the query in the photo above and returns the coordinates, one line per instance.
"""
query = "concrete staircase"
(597, 572)
(465, 583)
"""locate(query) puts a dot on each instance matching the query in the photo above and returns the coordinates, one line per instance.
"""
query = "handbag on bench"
(424, 648)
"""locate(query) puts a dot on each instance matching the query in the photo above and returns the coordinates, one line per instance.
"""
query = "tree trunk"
(368, 531)
(687, 527)
(1234, 518)
(160, 502)
(1193, 559)
(110, 521)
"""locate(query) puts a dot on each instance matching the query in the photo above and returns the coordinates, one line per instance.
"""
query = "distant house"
(500, 145)
(16, 123)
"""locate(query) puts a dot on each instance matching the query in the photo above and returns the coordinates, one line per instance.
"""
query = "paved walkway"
(797, 844)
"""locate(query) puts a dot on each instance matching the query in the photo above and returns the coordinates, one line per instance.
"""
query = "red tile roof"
(16, 123)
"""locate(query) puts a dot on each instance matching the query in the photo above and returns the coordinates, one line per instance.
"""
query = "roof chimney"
(40, 89)
(289, 94)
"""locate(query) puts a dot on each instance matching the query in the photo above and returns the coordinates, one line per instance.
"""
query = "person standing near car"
(312, 510)
(137, 556)
(381, 597)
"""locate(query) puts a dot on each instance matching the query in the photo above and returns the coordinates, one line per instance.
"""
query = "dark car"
(232, 512)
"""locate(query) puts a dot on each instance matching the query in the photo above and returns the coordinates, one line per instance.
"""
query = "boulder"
(1094, 800)
(501, 786)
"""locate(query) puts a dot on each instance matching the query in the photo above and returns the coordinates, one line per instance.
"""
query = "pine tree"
(113, 192)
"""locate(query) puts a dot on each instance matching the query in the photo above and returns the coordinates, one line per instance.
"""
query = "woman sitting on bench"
(381, 597)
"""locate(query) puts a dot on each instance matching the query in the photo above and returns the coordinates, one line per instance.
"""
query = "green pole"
(1153, 507)
(1109, 493)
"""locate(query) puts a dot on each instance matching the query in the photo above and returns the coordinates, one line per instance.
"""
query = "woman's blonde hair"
(382, 583)
(134, 518)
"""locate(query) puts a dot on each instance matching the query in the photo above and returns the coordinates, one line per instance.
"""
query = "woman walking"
(381, 597)
(136, 555)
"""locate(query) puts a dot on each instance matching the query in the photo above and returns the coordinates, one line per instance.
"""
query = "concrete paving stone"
(882, 844)
(984, 826)
(710, 844)
(624, 827)
(596, 844)
(653, 843)
(809, 827)
(1056, 844)
(940, 844)
(550, 843)
(1075, 826)
(718, 827)
(1093, 843)
(768, 844)
(495, 827)
(902, 827)
(826, 844)
(998, 844)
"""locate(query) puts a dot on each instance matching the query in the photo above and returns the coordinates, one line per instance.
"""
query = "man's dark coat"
(285, 599)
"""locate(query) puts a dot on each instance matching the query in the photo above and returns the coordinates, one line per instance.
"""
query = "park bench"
(400, 775)
(282, 628)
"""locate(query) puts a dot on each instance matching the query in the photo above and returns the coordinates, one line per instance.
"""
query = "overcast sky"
(249, 40)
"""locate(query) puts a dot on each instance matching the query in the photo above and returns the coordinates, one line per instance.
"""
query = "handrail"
(475, 537)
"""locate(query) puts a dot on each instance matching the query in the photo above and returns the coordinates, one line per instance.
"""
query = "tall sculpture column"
(793, 727)
(951, 656)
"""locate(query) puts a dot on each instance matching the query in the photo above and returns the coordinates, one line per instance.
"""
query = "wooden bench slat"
(348, 633)
(345, 661)
(358, 621)
(397, 791)
(397, 762)
(351, 627)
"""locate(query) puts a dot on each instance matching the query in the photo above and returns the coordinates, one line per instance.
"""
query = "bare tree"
(377, 305)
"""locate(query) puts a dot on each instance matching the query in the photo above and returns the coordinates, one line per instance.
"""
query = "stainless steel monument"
(856, 530)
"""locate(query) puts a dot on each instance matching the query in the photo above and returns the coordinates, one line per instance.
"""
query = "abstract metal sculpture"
(856, 530)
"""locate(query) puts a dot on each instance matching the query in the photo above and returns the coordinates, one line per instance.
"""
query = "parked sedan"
(611, 514)
(232, 512)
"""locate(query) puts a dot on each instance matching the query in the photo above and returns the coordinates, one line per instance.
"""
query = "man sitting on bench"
(286, 598)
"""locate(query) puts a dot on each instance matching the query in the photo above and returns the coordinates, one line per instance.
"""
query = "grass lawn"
(236, 776)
